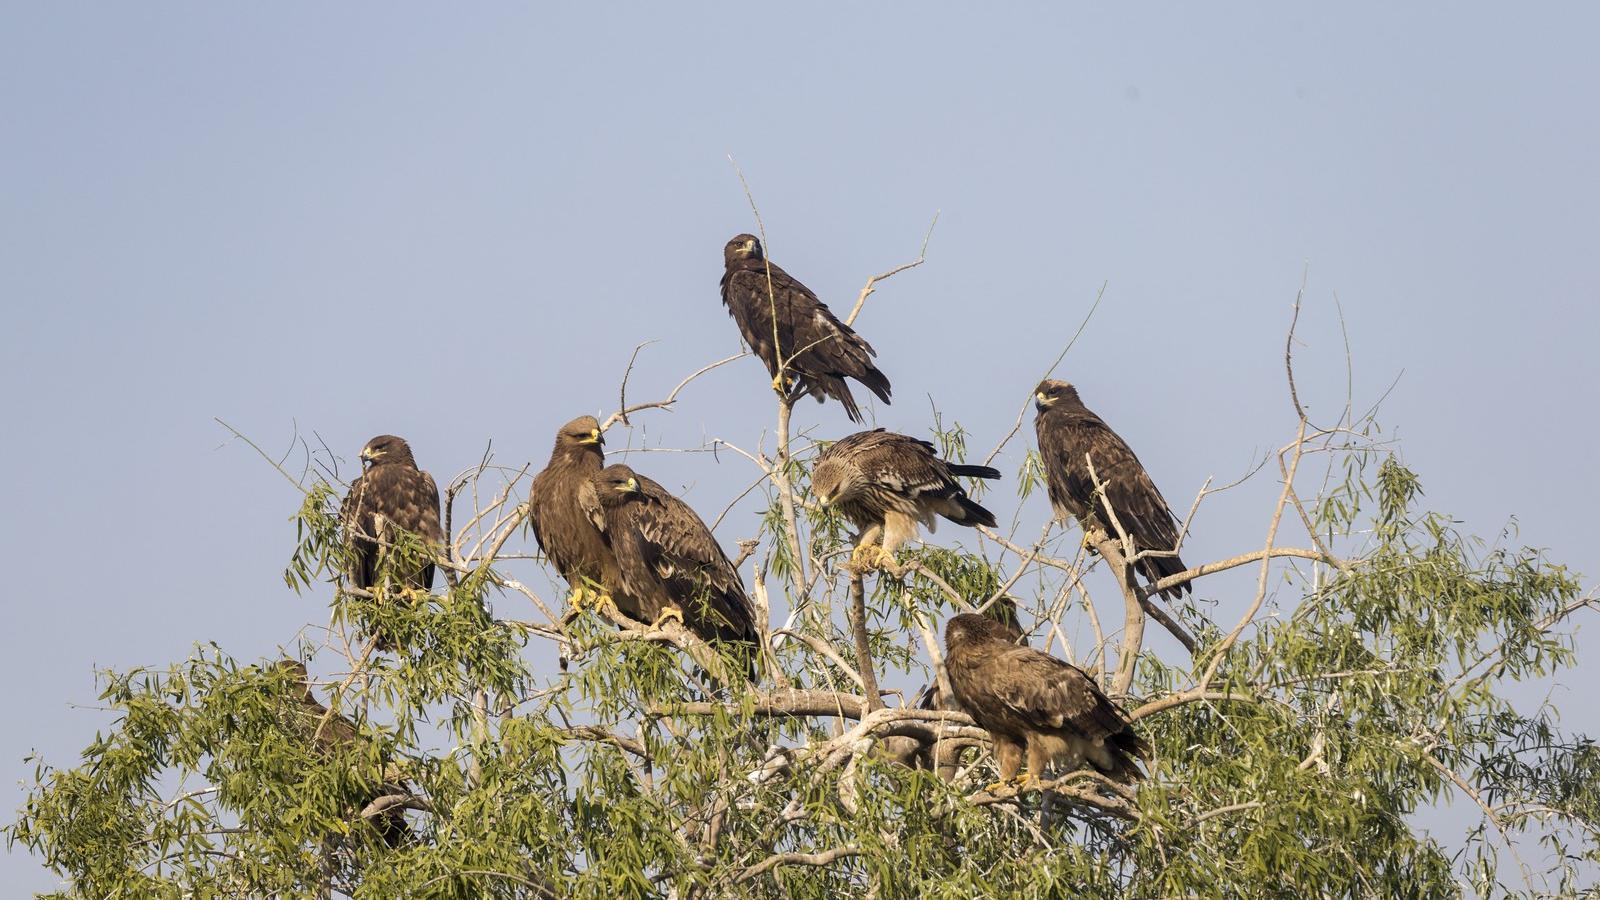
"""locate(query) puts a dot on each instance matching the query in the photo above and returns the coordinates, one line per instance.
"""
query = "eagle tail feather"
(874, 381)
(966, 471)
(972, 514)
(1158, 567)
(836, 388)
(1127, 749)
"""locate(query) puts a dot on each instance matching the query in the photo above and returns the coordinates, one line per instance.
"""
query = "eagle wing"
(669, 540)
(910, 477)
(1065, 448)
(406, 499)
(817, 348)
(355, 521)
(1052, 695)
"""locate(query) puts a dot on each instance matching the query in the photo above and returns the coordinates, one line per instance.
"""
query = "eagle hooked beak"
(1043, 398)
(593, 438)
(825, 499)
(750, 246)
(629, 486)
(369, 456)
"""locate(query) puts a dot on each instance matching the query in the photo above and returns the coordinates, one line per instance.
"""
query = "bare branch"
(922, 256)
(825, 858)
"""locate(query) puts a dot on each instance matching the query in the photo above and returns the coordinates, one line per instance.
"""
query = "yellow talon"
(780, 384)
(1016, 783)
(585, 599)
(671, 612)
(864, 558)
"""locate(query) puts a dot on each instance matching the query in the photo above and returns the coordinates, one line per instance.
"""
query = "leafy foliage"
(1293, 753)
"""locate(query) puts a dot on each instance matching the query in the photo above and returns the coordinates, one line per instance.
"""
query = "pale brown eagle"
(1069, 436)
(566, 534)
(1037, 706)
(330, 735)
(668, 560)
(885, 483)
(390, 503)
(786, 325)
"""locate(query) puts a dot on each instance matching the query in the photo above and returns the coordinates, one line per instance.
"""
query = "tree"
(1292, 750)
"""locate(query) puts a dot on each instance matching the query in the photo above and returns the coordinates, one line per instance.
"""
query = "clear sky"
(455, 224)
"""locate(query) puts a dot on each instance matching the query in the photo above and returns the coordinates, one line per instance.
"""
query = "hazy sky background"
(454, 224)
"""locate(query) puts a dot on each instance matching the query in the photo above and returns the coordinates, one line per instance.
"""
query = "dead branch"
(825, 858)
(922, 256)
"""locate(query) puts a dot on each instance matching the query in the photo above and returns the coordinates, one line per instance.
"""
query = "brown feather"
(566, 535)
(1069, 434)
(404, 497)
(667, 556)
(817, 350)
(1026, 698)
(333, 734)
(871, 476)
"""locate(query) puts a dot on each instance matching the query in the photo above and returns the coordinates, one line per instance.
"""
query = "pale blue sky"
(455, 225)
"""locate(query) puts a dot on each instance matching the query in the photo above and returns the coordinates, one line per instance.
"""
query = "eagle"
(885, 483)
(567, 536)
(807, 350)
(1069, 436)
(331, 734)
(391, 500)
(1032, 703)
(667, 558)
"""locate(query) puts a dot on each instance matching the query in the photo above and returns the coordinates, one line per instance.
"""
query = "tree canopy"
(1297, 731)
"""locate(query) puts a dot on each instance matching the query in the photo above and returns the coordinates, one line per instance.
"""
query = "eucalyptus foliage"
(1375, 688)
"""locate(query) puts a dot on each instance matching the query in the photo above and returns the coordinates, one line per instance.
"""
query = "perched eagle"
(391, 498)
(817, 351)
(885, 483)
(942, 757)
(331, 734)
(1069, 435)
(566, 534)
(1030, 702)
(667, 557)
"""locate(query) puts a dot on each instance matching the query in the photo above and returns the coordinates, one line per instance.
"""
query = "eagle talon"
(671, 613)
(584, 599)
(1015, 783)
(858, 561)
(780, 384)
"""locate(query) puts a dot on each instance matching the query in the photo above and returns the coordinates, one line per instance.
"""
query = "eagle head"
(386, 448)
(832, 481)
(1050, 392)
(970, 628)
(584, 431)
(742, 246)
(615, 484)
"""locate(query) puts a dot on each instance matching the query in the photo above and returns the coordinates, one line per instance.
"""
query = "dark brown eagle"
(565, 532)
(1032, 703)
(885, 483)
(1069, 436)
(667, 557)
(391, 501)
(333, 734)
(817, 351)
